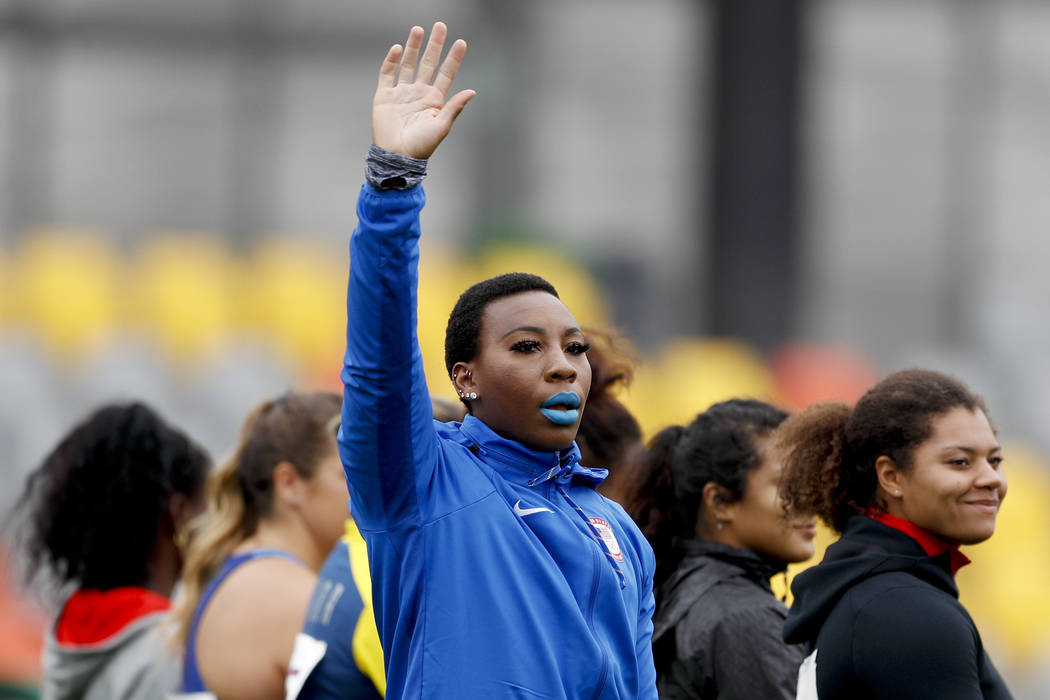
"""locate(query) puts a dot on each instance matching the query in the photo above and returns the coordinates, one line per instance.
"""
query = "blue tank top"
(191, 677)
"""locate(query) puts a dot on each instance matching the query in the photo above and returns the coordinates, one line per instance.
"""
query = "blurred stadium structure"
(177, 184)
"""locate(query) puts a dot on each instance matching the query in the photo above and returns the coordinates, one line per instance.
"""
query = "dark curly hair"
(90, 513)
(831, 449)
(607, 431)
(464, 323)
(718, 446)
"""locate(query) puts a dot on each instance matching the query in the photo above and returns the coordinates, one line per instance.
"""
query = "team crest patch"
(606, 533)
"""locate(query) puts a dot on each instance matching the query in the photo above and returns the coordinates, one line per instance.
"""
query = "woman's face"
(531, 372)
(327, 498)
(956, 482)
(759, 522)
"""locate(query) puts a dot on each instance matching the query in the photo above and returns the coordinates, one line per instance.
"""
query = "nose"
(990, 477)
(560, 369)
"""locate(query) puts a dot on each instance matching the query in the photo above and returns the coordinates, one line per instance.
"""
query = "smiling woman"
(497, 570)
(907, 475)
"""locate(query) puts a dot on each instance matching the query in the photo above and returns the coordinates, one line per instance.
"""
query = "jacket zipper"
(598, 566)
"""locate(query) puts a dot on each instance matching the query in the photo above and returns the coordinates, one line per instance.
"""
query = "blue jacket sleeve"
(644, 641)
(386, 440)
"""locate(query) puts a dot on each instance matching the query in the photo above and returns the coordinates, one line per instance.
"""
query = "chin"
(800, 554)
(974, 536)
(552, 441)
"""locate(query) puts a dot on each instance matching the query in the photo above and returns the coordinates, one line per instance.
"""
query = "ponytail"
(654, 507)
(229, 519)
(293, 428)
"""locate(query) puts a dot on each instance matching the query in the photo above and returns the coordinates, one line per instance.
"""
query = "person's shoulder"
(270, 573)
(899, 589)
(337, 564)
(899, 607)
(736, 604)
(267, 587)
(144, 666)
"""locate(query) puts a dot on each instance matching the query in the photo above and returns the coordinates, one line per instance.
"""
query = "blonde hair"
(292, 428)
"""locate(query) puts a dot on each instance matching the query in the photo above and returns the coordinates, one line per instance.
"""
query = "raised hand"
(410, 114)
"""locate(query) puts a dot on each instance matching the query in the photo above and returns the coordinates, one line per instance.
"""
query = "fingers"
(388, 71)
(454, 106)
(411, 54)
(450, 66)
(432, 54)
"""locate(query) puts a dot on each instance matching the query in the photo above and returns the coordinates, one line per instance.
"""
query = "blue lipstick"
(567, 411)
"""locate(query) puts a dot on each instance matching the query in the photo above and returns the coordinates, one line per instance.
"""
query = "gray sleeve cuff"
(386, 170)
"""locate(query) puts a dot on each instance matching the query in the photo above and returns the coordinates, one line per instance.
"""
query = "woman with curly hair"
(908, 474)
(99, 520)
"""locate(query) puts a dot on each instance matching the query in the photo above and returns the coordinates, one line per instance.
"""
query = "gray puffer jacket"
(717, 630)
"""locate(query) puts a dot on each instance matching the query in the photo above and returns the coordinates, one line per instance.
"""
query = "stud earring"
(462, 395)
(473, 395)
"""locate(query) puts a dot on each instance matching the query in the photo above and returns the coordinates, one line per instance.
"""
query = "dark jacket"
(717, 631)
(881, 619)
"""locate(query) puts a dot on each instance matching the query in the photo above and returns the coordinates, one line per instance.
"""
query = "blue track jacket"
(498, 572)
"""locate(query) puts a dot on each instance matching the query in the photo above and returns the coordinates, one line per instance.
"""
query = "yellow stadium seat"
(574, 283)
(442, 278)
(6, 287)
(181, 289)
(66, 287)
(297, 297)
(689, 375)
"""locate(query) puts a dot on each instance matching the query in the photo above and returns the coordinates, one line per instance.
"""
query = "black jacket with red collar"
(881, 619)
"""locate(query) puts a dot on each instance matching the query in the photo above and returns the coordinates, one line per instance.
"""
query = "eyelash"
(962, 461)
(525, 346)
(530, 346)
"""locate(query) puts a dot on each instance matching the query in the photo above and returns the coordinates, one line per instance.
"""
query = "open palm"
(410, 114)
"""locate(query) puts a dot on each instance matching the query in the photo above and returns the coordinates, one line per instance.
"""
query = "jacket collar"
(753, 565)
(930, 543)
(520, 464)
(702, 566)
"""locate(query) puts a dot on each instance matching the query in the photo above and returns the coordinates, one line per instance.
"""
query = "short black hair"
(464, 323)
(90, 513)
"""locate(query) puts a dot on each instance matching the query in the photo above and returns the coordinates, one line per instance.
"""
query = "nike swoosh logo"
(522, 512)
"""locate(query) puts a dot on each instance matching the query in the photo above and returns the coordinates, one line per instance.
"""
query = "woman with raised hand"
(497, 570)
(102, 518)
(711, 510)
(908, 474)
(275, 510)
